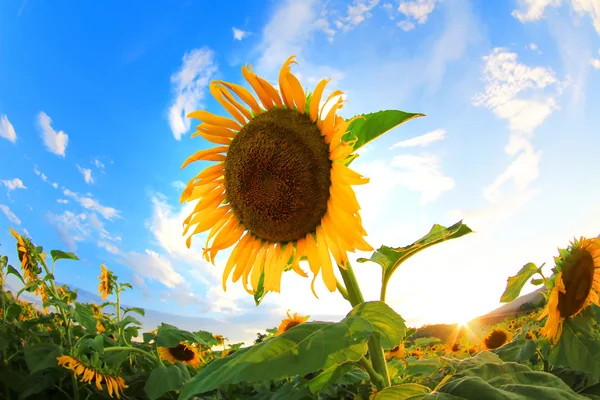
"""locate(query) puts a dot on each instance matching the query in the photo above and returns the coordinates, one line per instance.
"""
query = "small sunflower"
(281, 189)
(99, 327)
(397, 352)
(107, 283)
(577, 285)
(87, 374)
(496, 338)
(183, 353)
(290, 322)
(26, 255)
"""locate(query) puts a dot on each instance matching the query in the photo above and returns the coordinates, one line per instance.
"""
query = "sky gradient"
(93, 132)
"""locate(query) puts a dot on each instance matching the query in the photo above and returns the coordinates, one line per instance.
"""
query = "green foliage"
(62, 255)
(390, 258)
(406, 391)
(577, 348)
(171, 336)
(40, 356)
(515, 283)
(373, 125)
(165, 379)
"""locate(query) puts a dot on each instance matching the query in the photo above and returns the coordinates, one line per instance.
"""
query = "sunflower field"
(281, 194)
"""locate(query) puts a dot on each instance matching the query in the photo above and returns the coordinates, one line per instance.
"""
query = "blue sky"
(92, 136)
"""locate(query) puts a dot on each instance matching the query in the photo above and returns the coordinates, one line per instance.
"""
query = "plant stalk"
(375, 349)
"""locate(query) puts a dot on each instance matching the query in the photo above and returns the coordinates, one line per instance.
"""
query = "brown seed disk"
(277, 176)
(578, 278)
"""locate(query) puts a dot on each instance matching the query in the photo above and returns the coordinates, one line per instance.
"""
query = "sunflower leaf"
(165, 379)
(576, 349)
(306, 348)
(11, 270)
(62, 255)
(376, 124)
(390, 258)
(171, 336)
(406, 391)
(515, 283)
(40, 356)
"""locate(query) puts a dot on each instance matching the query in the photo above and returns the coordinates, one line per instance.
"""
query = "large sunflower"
(576, 286)
(88, 374)
(183, 353)
(280, 189)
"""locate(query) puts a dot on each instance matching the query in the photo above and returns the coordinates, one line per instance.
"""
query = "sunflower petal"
(316, 99)
(213, 119)
(243, 94)
(205, 155)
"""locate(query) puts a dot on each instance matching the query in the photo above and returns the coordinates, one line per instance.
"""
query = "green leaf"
(376, 124)
(576, 350)
(516, 283)
(390, 258)
(328, 377)
(148, 337)
(165, 379)
(260, 290)
(126, 285)
(85, 317)
(62, 255)
(206, 337)
(171, 336)
(406, 391)
(305, 348)
(134, 309)
(41, 356)
(126, 321)
(520, 351)
(11, 270)
(536, 282)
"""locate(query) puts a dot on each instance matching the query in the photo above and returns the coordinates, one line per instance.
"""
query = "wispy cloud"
(71, 228)
(416, 12)
(87, 174)
(239, 34)
(10, 215)
(189, 85)
(7, 131)
(179, 185)
(92, 204)
(13, 184)
(423, 140)
(62, 201)
(356, 14)
(56, 142)
(152, 266)
(534, 10)
(596, 61)
(44, 177)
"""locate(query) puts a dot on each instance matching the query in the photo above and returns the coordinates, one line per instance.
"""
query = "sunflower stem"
(375, 349)
(342, 289)
(383, 289)
(375, 377)
(127, 348)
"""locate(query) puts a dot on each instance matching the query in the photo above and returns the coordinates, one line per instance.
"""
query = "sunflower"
(496, 338)
(29, 263)
(577, 285)
(290, 322)
(183, 353)
(106, 285)
(99, 327)
(87, 374)
(281, 189)
(397, 352)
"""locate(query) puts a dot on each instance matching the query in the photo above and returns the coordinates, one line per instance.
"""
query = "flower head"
(114, 384)
(107, 282)
(27, 256)
(183, 353)
(576, 285)
(496, 338)
(290, 322)
(281, 189)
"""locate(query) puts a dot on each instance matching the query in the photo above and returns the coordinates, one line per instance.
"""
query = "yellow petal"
(241, 246)
(265, 99)
(326, 125)
(297, 93)
(284, 86)
(333, 94)
(243, 94)
(212, 119)
(212, 138)
(235, 103)
(203, 188)
(257, 268)
(203, 154)
(326, 267)
(247, 260)
(316, 99)
(235, 113)
(205, 221)
(271, 252)
(214, 130)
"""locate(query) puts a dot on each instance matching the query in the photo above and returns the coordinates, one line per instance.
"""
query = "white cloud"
(423, 140)
(406, 25)
(10, 215)
(56, 142)
(87, 174)
(533, 46)
(422, 173)
(7, 131)
(152, 266)
(239, 34)
(13, 184)
(93, 204)
(533, 10)
(179, 185)
(596, 61)
(98, 163)
(356, 14)
(189, 84)
(139, 284)
(71, 228)
(418, 10)
(110, 247)
(62, 201)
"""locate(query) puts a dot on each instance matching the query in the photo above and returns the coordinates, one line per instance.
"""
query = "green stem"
(544, 362)
(383, 288)
(128, 348)
(368, 368)
(342, 289)
(375, 349)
